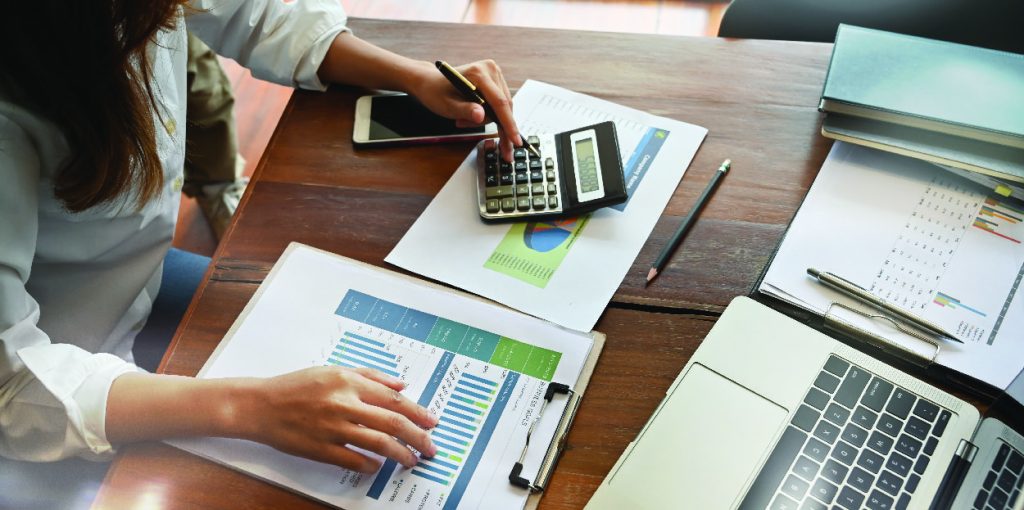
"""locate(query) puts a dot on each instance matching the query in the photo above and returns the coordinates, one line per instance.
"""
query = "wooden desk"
(758, 100)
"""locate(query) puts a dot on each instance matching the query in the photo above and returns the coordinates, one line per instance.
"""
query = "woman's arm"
(352, 61)
(317, 413)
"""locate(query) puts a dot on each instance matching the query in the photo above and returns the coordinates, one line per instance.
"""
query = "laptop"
(769, 413)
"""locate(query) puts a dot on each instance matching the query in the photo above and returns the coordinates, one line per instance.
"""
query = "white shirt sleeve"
(53, 397)
(283, 41)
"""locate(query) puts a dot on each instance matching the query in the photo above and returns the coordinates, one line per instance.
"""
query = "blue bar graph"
(354, 351)
(430, 477)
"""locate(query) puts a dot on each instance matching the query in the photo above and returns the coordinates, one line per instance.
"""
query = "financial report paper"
(944, 248)
(564, 271)
(481, 368)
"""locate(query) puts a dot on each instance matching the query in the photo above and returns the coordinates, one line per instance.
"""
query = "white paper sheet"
(936, 244)
(482, 368)
(565, 272)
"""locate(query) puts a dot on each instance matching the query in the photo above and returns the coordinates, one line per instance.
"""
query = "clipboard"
(558, 443)
(877, 346)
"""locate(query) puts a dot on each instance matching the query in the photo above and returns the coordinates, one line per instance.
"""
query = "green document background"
(514, 258)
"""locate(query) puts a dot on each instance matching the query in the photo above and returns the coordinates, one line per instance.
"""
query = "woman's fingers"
(385, 379)
(380, 443)
(397, 425)
(388, 398)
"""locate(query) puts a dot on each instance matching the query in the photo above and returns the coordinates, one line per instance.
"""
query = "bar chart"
(354, 351)
(999, 219)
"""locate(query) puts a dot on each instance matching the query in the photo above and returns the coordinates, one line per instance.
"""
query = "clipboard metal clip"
(835, 323)
(547, 466)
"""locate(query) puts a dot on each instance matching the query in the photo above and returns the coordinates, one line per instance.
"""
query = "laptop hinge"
(955, 474)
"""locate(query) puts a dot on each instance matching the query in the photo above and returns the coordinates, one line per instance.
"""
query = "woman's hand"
(320, 413)
(438, 94)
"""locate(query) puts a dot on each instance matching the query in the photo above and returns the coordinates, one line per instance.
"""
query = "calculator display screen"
(586, 165)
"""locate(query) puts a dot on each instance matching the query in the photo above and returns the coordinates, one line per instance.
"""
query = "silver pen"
(861, 294)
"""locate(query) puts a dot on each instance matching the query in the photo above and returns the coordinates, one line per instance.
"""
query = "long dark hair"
(82, 64)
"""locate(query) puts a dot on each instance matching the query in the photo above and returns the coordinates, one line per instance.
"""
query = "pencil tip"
(650, 276)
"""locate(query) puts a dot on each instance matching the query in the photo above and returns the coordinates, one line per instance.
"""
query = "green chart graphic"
(532, 252)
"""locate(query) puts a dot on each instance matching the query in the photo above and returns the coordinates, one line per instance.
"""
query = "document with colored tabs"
(482, 368)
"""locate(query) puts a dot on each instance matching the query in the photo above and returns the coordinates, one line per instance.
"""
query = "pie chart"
(547, 235)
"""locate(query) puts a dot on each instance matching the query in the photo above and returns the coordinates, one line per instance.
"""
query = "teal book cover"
(937, 85)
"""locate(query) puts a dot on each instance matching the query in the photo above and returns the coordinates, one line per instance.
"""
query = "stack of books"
(960, 107)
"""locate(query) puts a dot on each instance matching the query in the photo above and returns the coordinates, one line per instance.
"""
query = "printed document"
(481, 368)
(941, 247)
(564, 271)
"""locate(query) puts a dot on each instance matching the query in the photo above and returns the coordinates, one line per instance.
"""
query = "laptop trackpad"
(704, 444)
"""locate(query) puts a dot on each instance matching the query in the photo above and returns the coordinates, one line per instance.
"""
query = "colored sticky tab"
(1003, 190)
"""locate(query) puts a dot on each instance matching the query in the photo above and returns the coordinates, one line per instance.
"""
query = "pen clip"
(832, 321)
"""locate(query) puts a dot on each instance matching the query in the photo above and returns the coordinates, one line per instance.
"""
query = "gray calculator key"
(522, 178)
(552, 189)
(491, 156)
(537, 189)
(536, 176)
(506, 180)
(506, 167)
(493, 206)
(549, 163)
(519, 153)
(523, 203)
(508, 205)
(491, 180)
(538, 203)
(500, 192)
(552, 202)
(522, 189)
(534, 164)
(520, 166)
(550, 175)
(533, 140)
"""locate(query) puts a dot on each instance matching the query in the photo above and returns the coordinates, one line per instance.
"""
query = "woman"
(92, 103)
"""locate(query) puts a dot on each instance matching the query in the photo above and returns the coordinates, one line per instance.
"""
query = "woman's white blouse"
(76, 288)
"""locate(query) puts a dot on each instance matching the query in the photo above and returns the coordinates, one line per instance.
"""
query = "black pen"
(677, 238)
(467, 89)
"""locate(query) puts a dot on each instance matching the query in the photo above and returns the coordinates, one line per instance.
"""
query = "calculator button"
(534, 164)
(533, 140)
(506, 167)
(491, 167)
(491, 180)
(552, 189)
(491, 156)
(549, 163)
(523, 203)
(523, 189)
(500, 192)
(538, 203)
(537, 176)
(550, 175)
(493, 205)
(521, 178)
(538, 189)
(508, 204)
(506, 180)
(520, 166)
(519, 154)
(552, 202)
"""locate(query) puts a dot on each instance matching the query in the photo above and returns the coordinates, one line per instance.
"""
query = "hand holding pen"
(492, 95)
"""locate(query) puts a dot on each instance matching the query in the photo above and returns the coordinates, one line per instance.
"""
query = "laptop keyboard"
(857, 441)
(1003, 482)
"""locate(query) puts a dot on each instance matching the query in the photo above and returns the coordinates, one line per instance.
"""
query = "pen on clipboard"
(677, 237)
(861, 294)
(467, 89)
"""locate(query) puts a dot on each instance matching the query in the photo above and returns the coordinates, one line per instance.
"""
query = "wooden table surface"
(756, 98)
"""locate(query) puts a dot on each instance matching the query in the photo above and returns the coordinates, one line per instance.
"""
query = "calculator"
(575, 172)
